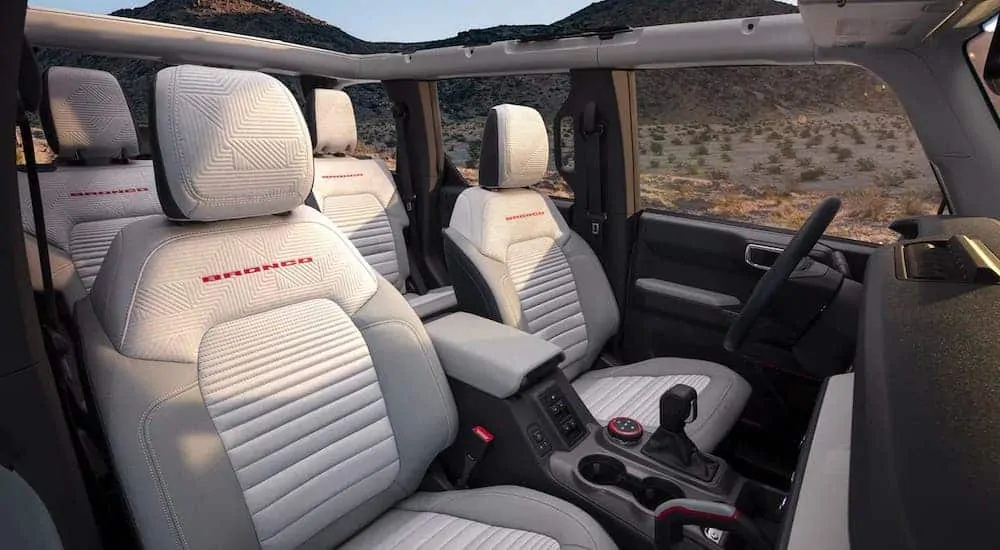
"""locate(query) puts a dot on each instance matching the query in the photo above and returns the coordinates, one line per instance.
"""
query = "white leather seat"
(95, 188)
(359, 196)
(260, 385)
(512, 258)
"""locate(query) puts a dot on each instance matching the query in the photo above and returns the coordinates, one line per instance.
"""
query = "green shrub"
(889, 179)
(654, 163)
(659, 137)
(805, 162)
(701, 150)
(677, 141)
(774, 169)
(725, 157)
(656, 147)
(773, 158)
(773, 136)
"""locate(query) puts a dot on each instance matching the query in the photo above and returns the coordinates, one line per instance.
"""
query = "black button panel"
(557, 408)
(538, 440)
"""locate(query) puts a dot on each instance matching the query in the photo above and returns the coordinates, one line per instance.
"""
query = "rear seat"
(94, 189)
(359, 196)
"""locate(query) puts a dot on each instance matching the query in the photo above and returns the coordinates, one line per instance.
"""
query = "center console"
(649, 489)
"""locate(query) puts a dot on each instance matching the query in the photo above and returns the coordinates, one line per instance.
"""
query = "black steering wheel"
(783, 266)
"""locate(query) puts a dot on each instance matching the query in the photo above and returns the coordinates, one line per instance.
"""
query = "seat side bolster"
(161, 437)
(600, 310)
(481, 284)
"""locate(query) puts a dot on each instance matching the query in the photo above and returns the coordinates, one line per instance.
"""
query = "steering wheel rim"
(767, 288)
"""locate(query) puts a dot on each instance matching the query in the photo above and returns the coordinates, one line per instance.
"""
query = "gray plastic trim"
(820, 519)
(781, 39)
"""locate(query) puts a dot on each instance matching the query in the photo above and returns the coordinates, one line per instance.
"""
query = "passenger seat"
(259, 385)
(360, 198)
(95, 188)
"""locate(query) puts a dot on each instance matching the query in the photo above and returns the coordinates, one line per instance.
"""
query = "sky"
(393, 20)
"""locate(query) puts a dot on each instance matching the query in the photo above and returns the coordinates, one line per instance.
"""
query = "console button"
(557, 407)
(569, 425)
(538, 440)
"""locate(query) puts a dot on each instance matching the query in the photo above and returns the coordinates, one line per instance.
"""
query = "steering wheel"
(767, 288)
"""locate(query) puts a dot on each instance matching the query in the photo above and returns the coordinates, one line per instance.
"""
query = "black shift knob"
(677, 406)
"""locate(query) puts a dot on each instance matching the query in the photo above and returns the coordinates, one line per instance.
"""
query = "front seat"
(513, 259)
(260, 385)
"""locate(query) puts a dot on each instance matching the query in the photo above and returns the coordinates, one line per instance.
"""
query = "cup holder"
(654, 491)
(649, 492)
(602, 469)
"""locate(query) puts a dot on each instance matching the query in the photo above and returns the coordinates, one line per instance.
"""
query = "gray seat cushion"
(494, 517)
(635, 390)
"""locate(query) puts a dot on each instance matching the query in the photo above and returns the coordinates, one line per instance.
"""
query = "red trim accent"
(109, 192)
(256, 269)
(697, 513)
(534, 214)
(482, 433)
(613, 428)
(331, 176)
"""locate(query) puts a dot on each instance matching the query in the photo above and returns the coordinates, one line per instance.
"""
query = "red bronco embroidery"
(256, 269)
(109, 192)
(525, 215)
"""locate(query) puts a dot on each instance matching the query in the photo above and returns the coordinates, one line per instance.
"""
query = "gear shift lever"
(670, 444)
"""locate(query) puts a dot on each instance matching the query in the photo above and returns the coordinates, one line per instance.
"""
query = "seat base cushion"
(634, 391)
(493, 517)
(434, 302)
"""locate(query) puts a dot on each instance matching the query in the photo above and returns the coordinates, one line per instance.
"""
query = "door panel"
(691, 275)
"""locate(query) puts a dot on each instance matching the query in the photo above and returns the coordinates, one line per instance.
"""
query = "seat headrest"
(227, 144)
(85, 116)
(331, 122)
(515, 151)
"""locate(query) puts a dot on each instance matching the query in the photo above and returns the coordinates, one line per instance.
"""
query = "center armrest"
(489, 356)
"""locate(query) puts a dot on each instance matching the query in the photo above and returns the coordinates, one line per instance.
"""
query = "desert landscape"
(770, 172)
(753, 144)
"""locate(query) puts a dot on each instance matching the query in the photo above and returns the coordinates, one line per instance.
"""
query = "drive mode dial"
(624, 430)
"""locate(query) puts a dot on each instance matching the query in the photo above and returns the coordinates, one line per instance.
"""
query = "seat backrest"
(512, 257)
(358, 195)
(94, 190)
(259, 384)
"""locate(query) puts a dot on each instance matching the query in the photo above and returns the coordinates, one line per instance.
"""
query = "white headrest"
(227, 144)
(515, 150)
(331, 120)
(85, 115)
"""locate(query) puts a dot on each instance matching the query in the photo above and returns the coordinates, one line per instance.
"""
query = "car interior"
(229, 327)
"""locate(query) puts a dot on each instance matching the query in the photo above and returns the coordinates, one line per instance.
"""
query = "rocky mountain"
(717, 94)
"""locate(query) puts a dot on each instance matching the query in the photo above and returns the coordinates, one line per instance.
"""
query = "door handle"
(761, 256)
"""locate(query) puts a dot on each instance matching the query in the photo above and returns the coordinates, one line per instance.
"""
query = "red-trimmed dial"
(627, 431)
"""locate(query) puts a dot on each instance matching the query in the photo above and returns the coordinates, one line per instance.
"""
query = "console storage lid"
(491, 357)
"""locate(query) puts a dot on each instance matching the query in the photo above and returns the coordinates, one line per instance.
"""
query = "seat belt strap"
(591, 216)
(37, 211)
(404, 184)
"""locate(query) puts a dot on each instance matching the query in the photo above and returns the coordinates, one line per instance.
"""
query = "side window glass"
(764, 145)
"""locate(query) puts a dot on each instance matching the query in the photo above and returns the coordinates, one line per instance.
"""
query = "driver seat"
(513, 259)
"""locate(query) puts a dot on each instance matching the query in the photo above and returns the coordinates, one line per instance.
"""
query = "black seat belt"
(404, 183)
(589, 214)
